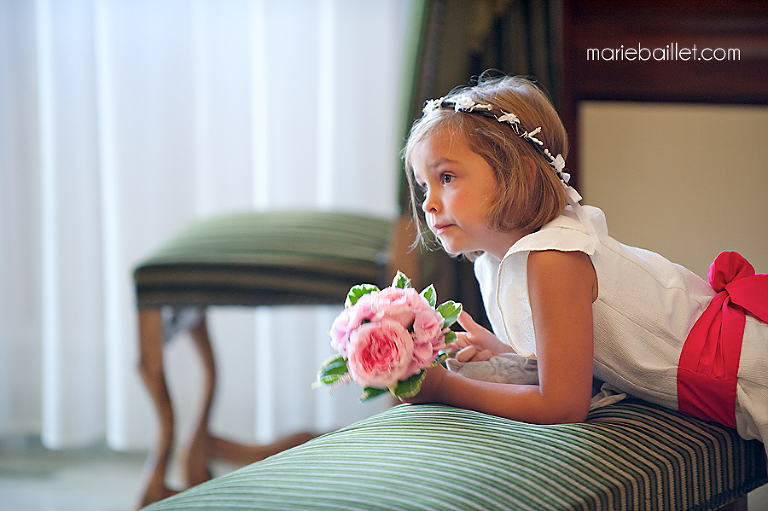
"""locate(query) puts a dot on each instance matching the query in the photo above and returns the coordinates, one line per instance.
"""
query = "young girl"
(489, 161)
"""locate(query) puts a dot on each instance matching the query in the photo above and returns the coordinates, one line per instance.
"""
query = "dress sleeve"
(566, 233)
(486, 272)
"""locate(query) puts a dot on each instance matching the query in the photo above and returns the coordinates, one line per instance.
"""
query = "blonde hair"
(524, 201)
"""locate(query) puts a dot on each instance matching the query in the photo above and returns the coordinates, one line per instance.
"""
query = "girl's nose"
(430, 203)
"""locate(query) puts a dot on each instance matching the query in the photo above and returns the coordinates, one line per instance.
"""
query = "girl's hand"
(476, 343)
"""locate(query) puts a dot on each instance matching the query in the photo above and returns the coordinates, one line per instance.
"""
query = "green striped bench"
(630, 455)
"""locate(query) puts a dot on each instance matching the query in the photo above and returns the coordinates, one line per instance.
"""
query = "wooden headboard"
(643, 50)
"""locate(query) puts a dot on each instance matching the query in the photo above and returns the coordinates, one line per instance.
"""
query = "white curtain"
(121, 121)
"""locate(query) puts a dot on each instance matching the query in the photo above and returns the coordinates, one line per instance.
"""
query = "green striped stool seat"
(282, 257)
(246, 259)
(627, 456)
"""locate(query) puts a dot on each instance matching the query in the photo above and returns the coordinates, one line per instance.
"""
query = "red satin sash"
(709, 361)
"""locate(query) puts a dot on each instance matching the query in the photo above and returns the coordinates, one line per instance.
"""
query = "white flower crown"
(468, 105)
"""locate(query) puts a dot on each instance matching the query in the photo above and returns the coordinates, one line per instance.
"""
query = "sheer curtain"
(122, 120)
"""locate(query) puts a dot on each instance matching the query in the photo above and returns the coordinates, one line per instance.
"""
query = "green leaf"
(372, 392)
(357, 291)
(410, 386)
(450, 311)
(332, 370)
(401, 281)
(430, 295)
(450, 337)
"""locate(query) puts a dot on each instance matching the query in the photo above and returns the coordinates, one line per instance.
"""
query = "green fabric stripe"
(265, 258)
(630, 456)
(274, 236)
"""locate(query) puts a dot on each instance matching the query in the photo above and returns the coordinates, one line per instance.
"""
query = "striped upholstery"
(265, 258)
(630, 455)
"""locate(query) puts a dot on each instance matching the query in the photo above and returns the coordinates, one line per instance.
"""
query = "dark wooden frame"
(651, 24)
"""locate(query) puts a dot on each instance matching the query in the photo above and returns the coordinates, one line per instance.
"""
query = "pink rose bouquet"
(385, 339)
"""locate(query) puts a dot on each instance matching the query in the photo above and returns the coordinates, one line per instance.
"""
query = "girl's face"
(459, 188)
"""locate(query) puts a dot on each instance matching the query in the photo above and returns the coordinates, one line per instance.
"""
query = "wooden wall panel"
(666, 28)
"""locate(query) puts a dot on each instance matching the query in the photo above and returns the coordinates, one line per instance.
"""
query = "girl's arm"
(476, 343)
(561, 288)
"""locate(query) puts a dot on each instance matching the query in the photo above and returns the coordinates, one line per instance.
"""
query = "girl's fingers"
(462, 340)
(466, 354)
(471, 354)
(466, 321)
(482, 356)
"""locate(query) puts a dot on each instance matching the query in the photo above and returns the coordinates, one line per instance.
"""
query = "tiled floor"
(33, 478)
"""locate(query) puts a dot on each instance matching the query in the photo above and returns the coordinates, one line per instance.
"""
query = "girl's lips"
(439, 229)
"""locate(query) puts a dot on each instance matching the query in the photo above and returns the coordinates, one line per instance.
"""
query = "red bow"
(709, 362)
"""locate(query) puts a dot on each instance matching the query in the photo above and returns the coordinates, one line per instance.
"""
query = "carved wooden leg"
(244, 454)
(199, 450)
(205, 447)
(153, 374)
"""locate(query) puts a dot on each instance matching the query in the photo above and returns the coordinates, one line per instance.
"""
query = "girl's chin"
(450, 247)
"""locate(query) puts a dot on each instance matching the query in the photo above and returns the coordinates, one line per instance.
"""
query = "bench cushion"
(265, 258)
(631, 455)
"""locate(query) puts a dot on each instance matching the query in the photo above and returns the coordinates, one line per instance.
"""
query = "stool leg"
(204, 446)
(153, 374)
(199, 451)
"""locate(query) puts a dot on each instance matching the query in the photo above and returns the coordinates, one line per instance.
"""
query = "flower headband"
(466, 104)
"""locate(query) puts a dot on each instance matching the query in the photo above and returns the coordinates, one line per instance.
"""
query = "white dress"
(645, 308)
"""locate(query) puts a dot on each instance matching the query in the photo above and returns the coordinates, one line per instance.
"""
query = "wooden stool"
(250, 259)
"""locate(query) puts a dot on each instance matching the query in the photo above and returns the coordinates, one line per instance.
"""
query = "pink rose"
(399, 304)
(350, 319)
(379, 354)
(428, 325)
(428, 339)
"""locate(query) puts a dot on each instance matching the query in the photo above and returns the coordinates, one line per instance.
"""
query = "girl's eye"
(446, 178)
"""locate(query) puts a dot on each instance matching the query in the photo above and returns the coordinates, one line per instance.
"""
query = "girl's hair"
(524, 201)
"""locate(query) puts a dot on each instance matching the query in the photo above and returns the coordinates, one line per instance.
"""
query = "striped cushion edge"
(261, 258)
(270, 237)
(631, 455)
